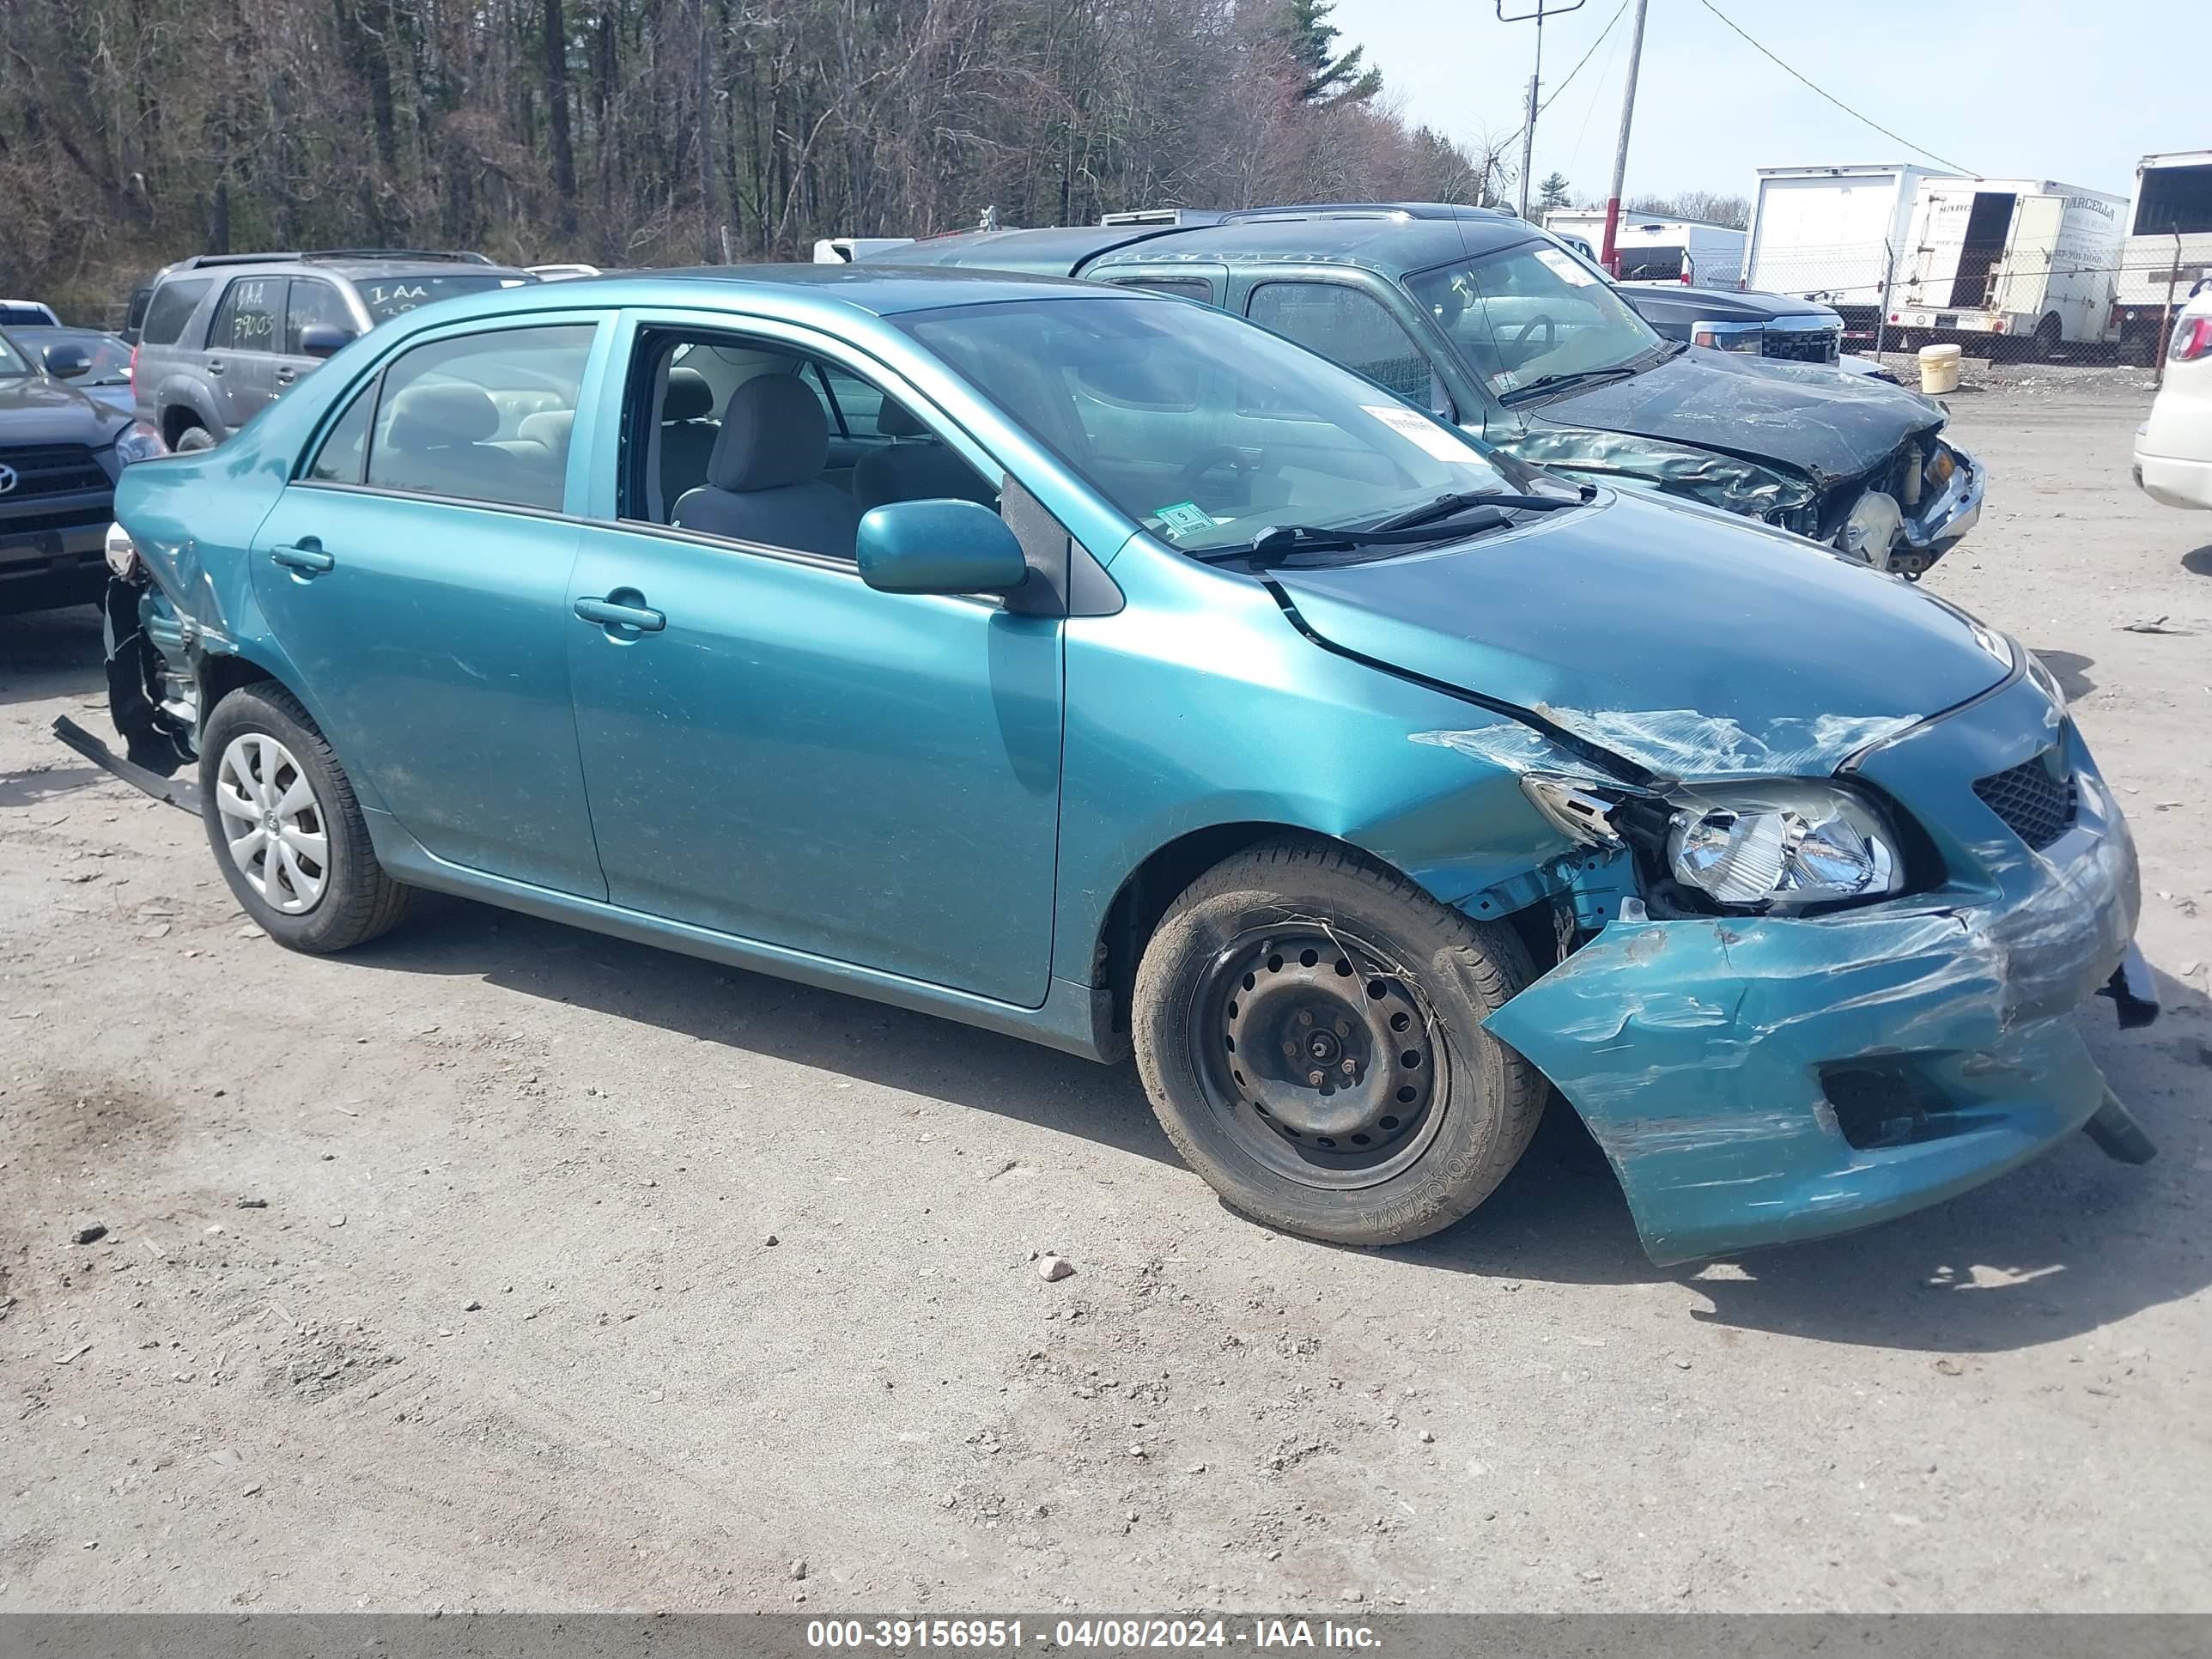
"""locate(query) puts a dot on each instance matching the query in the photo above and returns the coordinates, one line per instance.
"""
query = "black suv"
(60, 454)
(223, 335)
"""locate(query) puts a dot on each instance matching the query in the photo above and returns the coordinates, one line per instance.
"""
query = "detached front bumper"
(1759, 1080)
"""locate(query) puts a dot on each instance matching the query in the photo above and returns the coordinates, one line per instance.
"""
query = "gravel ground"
(576, 1275)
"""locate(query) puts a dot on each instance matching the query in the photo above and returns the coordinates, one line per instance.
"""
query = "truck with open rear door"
(2021, 266)
(2168, 250)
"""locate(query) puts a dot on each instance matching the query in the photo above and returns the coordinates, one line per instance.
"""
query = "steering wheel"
(1204, 462)
(1551, 331)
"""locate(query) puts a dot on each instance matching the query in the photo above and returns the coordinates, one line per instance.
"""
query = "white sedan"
(2173, 448)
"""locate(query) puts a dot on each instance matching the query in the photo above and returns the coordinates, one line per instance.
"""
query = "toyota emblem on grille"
(7, 479)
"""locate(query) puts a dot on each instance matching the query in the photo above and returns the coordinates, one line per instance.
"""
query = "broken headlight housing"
(1781, 845)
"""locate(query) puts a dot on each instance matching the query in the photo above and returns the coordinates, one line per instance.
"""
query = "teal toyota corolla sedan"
(1098, 667)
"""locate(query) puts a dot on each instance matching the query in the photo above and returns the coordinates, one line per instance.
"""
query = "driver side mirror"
(938, 547)
(67, 362)
(324, 339)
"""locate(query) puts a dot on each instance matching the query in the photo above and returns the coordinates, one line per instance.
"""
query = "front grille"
(2036, 806)
(51, 469)
(1800, 348)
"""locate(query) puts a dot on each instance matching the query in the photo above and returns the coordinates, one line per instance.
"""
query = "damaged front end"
(1789, 1006)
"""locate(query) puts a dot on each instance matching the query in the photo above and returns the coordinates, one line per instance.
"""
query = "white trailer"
(1835, 235)
(1990, 260)
(843, 249)
(1688, 251)
(2168, 250)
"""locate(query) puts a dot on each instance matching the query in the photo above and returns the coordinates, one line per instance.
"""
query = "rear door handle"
(215, 366)
(306, 556)
(611, 612)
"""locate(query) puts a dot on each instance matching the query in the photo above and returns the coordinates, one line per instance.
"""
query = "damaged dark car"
(1494, 325)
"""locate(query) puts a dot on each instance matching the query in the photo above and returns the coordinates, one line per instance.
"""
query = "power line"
(1831, 97)
(1570, 75)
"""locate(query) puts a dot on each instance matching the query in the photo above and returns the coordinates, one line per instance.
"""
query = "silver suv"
(224, 334)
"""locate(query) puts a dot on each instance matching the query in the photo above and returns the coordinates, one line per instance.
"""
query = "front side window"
(247, 318)
(1529, 313)
(1346, 327)
(482, 417)
(1199, 426)
(12, 361)
(312, 302)
(171, 307)
(1185, 288)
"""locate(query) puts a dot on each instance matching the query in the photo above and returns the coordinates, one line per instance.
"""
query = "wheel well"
(221, 675)
(1155, 884)
(175, 419)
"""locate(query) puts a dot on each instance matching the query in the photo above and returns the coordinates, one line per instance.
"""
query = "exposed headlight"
(1871, 530)
(122, 552)
(139, 442)
(1781, 845)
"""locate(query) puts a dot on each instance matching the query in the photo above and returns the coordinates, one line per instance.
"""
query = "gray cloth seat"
(916, 466)
(439, 442)
(687, 436)
(763, 478)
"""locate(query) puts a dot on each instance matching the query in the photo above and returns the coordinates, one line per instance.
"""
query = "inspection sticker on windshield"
(1426, 433)
(1566, 267)
(1182, 517)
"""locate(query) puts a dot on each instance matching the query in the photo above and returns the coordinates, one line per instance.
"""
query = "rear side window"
(312, 302)
(247, 318)
(482, 417)
(853, 406)
(1346, 327)
(171, 308)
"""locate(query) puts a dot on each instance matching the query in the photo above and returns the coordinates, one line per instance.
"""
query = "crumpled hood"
(34, 409)
(1804, 417)
(1688, 642)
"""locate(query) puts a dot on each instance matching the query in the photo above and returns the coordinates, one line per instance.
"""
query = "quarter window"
(247, 318)
(312, 302)
(482, 417)
(339, 460)
(1349, 327)
(171, 308)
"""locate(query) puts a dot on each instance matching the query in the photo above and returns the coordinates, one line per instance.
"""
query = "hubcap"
(1320, 1056)
(272, 823)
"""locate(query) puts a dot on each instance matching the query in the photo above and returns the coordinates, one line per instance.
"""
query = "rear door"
(241, 349)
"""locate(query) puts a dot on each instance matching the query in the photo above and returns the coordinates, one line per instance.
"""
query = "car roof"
(883, 290)
(1045, 250)
(351, 266)
(1392, 236)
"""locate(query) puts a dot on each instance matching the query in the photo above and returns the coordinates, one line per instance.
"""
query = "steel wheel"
(1319, 1058)
(272, 823)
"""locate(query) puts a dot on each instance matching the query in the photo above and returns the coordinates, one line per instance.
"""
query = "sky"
(2003, 89)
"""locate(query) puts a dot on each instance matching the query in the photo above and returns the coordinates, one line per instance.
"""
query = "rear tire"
(191, 438)
(287, 831)
(1308, 1028)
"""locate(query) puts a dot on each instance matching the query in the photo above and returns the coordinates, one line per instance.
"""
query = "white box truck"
(1687, 250)
(1990, 262)
(2168, 250)
(1835, 235)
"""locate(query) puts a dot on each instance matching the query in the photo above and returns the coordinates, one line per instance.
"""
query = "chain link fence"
(2107, 307)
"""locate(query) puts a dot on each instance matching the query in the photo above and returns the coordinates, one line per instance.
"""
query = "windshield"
(1199, 426)
(393, 297)
(1651, 264)
(1532, 312)
(11, 361)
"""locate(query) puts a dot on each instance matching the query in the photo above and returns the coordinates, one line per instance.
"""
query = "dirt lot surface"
(583, 1276)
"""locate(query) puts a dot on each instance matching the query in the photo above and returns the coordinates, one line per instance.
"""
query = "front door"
(775, 751)
(417, 572)
(241, 351)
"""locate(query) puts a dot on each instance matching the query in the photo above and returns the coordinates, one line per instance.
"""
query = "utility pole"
(1608, 255)
(1535, 14)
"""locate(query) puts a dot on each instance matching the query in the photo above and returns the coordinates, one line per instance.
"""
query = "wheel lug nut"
(1304, 1019)
(1351, 1068)
(1344, 1028)
(1317, 1078)
(1289, 1047)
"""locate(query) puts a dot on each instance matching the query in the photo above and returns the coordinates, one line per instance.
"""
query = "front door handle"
(215, 366)
(286, 375)
(305, 556)
(615, 611)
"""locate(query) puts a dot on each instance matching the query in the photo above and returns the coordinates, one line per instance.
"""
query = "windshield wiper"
(1461, 501)
(1554, 382)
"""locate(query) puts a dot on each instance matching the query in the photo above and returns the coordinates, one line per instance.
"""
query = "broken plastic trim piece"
(2117, 1136)
(182, 793)
(1581, 817)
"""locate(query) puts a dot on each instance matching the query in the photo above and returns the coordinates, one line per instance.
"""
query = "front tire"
(191, 440)
(287, 833)
(1308, 1028)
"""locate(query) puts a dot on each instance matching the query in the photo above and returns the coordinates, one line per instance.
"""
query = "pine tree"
(1304, 29)
(1553, 191)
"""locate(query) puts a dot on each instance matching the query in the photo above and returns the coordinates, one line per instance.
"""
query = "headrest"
(774, 432)
(689, 396)
(548, 427)
(897, 421)
(434, 416)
